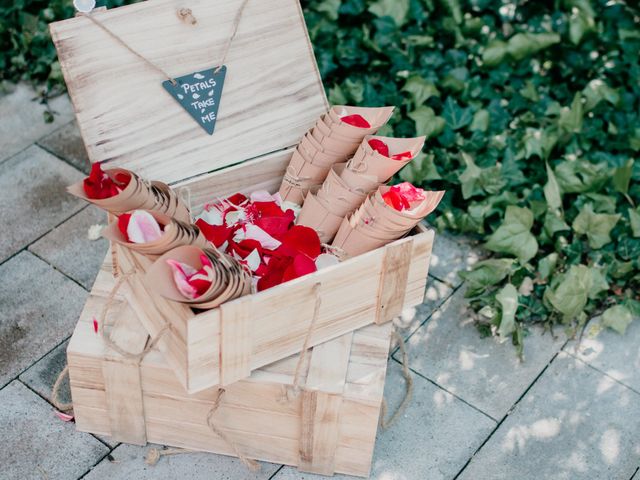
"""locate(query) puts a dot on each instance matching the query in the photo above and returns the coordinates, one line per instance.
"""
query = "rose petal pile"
(99, 185)
(259, 231)
(383, 149)
(190, 282)
(400, 196)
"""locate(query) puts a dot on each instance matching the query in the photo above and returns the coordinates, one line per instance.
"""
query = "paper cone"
(335, 145)
(300, 176)
(313, 153)
(337, 197)
(359, 182)
(376, 117)
(369, 162)
(354, 242)
(315, 215)
(418, 210)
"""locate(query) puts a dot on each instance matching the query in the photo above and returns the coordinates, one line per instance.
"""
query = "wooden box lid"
(272, 92)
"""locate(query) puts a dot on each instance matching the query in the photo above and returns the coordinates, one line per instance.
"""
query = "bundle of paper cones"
(228, 278)
(376, 223)
(347, 185)
(174, 234)
(328, 142)
(137, 195)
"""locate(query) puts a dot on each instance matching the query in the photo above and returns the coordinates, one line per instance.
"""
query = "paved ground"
(477, 412)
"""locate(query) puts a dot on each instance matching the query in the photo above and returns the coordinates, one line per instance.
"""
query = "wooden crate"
(272, 95)
(330, 427)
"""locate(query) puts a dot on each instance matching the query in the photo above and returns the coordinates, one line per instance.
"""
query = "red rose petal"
(236, 199)
(274, 273)
(379, 146)
(65, 417)
(98, 185)
(356, 121)
(402, 156)
(395, 200)
(95, 325)
(123, 224)
(216, 234)
(300, 239)
(301, 265)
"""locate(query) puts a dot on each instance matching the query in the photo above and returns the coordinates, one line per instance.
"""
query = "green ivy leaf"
(330, 8)
(514, 235)
(622, 176)
(634, 221)
(485, 274)
(596, 91)
(420, 90)
(455, 116)
(469, 180)
(421, 169)
(617, 318)
(580, 176)
(507, 297)
(494, 53)
(571, 117)
(522, 45)
(426, 121)
(596, 226)
(547, 265)
(552, 193)
(396, 9)
(480, 121)
(571, 294)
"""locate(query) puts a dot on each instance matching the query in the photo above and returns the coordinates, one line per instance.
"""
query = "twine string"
(183, 14)
(293, 391)
(408, 384)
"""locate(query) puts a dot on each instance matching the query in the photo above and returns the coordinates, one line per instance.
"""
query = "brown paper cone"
(300, 176)
(122, 202)
(418, 210)
(337, 197)
(313, 153)
(359, 182)
(367, 161)
(354, 242)
(376, 116)
(334, 145)
(315, 215)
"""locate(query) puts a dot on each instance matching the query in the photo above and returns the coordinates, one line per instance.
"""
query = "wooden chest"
(329, 427)
(272, 95)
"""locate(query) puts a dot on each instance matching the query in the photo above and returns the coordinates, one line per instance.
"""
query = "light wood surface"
(322, 430)
(272, 92)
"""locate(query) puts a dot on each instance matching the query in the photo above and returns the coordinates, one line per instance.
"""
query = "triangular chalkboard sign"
(199, 94)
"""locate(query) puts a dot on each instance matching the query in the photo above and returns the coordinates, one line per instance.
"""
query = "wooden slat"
(272, 92)
(319, 434)
(328, 366)
(393, 281)
(122, 382)
(235, 340)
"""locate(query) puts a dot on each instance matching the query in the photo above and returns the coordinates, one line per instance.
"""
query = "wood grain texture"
(319, 437)
(235, 340)
(253, 412)
(393, 280)
(272, 92)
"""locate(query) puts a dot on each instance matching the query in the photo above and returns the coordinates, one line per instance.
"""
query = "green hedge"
(531, 112)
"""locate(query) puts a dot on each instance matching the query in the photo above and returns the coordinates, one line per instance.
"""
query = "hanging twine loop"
(292, 391)
(408, 384)
(234, 30)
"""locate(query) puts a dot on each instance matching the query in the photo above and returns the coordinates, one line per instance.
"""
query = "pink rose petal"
(143, 227)
(65, 417)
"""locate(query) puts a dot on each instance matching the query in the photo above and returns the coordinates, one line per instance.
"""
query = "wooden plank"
(393, 281)
(122, 382)
(264, 173)
(235, 340)
(272, 91)
(319, 433)
(328, 366)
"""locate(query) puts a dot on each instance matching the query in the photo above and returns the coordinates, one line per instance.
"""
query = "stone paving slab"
(23, 121)
(33, 199)
(431, 440)
(40, 307)
(437, 292)
(616, 355)
(41, 376)
(574, 424)
(452, 254)
(449, 350)
(68, 248)
(35, 444)
(128, 464)
(67, 143)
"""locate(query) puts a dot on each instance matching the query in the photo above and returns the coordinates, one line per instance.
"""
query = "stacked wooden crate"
(248, 347)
